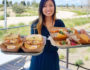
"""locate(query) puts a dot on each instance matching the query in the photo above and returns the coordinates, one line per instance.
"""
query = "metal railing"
(67, 51)
(14, 27)
(75, 65)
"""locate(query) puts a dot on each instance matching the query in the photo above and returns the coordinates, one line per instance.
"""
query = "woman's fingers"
(82, 31)
(3, 47)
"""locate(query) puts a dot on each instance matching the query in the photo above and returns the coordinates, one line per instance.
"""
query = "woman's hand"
(3, 47)
(82, 31)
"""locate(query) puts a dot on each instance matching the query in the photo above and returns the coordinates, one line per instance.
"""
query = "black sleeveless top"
(45, 32)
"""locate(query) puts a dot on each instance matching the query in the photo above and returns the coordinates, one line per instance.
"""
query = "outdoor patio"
(69, 56)
(21, 63)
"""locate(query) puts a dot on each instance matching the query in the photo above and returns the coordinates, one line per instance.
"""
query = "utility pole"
(88, 7)
(67, 4)
(5, 13)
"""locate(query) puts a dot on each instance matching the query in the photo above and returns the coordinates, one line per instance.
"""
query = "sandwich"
(12, 42)
(32, 43)
(84, 39)
(89, 41)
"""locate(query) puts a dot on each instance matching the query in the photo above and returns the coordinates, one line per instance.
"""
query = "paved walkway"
(15, 64)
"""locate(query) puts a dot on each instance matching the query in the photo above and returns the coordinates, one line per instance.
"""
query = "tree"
(23, 3)
(10, 3)
(6, 2)
(3, 2)
(28, 3)
(35, 4)
(88, 7)
(73, 5)
(67, 5)
(89, 3)
(18, 8)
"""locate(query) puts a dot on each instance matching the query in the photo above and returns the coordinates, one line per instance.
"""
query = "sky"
(58, 2)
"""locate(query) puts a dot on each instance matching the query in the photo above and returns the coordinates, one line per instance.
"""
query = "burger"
(33, 43)
(12, 42)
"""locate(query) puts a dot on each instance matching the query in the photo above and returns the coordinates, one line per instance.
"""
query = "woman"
(49, 59)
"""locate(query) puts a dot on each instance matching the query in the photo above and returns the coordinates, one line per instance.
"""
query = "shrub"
(79, 62)
(8, 15)
(11, 25)
(1, 5)
(2, 9)
(86, 58)
(32, 12)
(20, 24)
(61, 56)
(18, 8)
(1, 17)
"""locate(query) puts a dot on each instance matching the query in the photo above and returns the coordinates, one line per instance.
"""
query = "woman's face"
(48, 9)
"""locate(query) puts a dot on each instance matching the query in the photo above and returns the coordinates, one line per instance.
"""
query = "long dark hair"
(41, 15)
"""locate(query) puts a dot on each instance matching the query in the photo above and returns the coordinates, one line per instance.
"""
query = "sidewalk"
(6, 58)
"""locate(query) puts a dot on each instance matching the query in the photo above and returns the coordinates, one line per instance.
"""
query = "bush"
(18, 8)
(86, 58)
(79, 62)
(1, 5)
(20, 24)
(61, 56)
(11, 25)
(32, 12)
(1, 17)
(34, 3)
(2, 9)
(8, 15)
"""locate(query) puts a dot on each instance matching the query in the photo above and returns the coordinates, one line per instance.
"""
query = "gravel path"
(27, 20)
